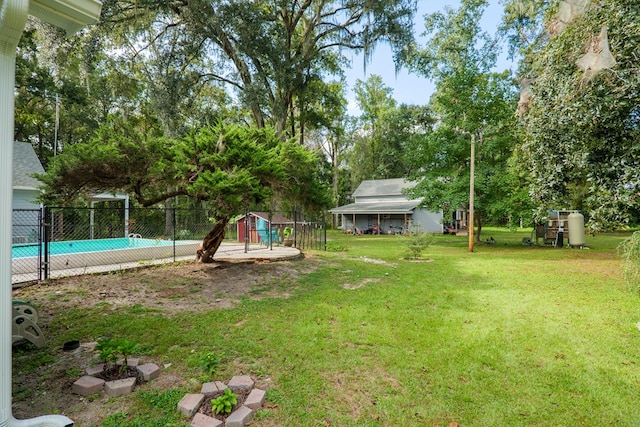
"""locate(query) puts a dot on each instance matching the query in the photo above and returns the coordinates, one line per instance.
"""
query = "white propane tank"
(576, 230)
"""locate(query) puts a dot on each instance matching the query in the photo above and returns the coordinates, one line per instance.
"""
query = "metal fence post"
(324, 224)
(295, 228)
(43, 243)
(270, 238)
(173, 231)
(247, 222)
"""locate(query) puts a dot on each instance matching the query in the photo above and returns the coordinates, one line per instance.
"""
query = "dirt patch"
(46, 388)
(376, 261)
(114, 373)
(169, 288)
(362, 283)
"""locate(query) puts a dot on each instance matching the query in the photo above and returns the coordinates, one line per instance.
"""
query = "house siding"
(26, 214)
(429, 221)
(25, 199)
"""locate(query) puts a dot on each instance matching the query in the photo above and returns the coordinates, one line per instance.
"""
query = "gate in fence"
(26, 238)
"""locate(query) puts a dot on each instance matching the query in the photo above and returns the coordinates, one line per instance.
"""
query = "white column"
(13, 16)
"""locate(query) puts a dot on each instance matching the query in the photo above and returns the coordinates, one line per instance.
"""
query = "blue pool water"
(79, 246)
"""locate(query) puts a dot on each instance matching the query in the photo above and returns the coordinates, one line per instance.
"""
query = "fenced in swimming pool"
(24, 250)
(59, 241)
(54, 242)
(88, 253)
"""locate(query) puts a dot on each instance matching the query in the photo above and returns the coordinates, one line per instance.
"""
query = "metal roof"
(377, 208)
(382, 187)
(276, 218)
(25, 164)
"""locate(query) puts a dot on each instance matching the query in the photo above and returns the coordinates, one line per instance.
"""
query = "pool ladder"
(134, 239)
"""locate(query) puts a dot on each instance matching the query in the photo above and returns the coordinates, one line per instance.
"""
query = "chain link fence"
(56, 241)
(26, 233)
(280, 228)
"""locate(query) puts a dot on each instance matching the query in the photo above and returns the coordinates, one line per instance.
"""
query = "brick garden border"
(191, 402)
(89, 384)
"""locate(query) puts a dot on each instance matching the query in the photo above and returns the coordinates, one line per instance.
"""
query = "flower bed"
(198, 406)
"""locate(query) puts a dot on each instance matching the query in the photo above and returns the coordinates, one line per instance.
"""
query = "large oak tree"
(269, 51)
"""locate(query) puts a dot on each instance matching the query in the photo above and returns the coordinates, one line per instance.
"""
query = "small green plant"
(74, 372)
(629, 249)
(107, 351)
(126, 348)
(209, 362)
(224, 404)
(416, 242)
(111, 349)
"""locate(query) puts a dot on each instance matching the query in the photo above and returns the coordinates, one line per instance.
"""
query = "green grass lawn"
(507, 335)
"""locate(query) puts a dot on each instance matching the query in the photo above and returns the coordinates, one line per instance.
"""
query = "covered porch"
(376, 217)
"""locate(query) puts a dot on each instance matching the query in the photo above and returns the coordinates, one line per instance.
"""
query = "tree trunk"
(335, 183)
(212, 242)
(479, 223)
(168, 218)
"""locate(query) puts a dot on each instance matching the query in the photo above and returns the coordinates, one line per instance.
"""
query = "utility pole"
(472, 173)
(471, 188)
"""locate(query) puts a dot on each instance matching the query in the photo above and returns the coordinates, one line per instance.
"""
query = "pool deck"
(235, 252)
(229, 252)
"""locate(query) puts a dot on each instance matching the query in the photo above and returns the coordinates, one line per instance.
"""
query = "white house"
(26, 208)
(25, 186)
(380, 205)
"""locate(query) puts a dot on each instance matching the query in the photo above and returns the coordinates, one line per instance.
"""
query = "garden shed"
(248, 225)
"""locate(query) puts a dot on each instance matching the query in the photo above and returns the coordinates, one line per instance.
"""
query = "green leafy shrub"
(107, 351)
(630, 252)
(184, 234)
(111, 349)
(416, 242)
(224, 404)
(126, 348)
(209, 362)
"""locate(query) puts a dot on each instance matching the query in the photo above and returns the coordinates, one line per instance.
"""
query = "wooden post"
(471, 189)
